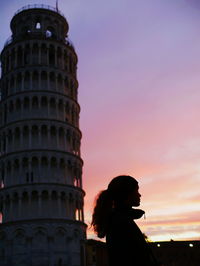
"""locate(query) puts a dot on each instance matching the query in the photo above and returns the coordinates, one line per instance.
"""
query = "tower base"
(42, 243)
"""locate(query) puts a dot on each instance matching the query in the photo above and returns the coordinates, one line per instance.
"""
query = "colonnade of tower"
(41, 195)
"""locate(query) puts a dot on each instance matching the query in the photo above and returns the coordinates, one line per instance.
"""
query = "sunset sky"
(139, 76)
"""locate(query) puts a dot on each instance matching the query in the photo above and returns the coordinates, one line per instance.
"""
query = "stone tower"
(41, 196)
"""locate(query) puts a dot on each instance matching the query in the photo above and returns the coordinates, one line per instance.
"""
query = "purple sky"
(139, 65)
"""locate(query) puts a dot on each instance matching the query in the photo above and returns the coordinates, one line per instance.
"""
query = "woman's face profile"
(133, 198)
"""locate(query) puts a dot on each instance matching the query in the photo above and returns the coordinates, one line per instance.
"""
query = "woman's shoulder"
(118, 227)
(119, 218)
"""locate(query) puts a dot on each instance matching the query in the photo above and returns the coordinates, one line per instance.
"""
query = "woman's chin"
(136, 204)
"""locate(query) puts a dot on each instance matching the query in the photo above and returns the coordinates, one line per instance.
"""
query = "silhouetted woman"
(113, 217)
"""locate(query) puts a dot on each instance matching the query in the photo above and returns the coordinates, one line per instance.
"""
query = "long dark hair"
(113, 196)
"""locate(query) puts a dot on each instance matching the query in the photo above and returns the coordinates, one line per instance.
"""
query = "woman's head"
(122, 192)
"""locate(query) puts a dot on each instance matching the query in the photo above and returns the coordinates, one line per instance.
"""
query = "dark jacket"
(125, 242)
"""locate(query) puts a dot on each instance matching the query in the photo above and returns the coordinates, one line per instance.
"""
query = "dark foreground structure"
(172, 253)
(41, 195)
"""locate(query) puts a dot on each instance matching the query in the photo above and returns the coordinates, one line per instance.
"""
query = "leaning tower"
(41, 196)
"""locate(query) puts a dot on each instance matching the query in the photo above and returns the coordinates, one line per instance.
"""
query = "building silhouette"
(41, 196)
(169, 253)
